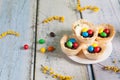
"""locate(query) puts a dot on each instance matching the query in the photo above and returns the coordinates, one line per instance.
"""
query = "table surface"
(25, 17)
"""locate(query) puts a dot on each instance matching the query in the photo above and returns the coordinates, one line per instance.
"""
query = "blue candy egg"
(72, 40)
(85, 34)
(90, 48)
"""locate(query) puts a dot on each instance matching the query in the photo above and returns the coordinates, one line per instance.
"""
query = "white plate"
(83, 60)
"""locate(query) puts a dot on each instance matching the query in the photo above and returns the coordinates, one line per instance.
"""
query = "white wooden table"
(25, 17)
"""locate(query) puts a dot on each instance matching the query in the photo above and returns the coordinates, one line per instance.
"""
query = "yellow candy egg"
(84, 29)
(42, 50)
(101, 30)
(94, 45)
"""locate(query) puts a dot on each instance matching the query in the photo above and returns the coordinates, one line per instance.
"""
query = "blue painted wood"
(109, 13)
(57, 59)
(17, 15)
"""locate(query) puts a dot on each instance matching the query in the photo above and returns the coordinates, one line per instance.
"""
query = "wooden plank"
(109, 13)
(57, 59)
(17, 15)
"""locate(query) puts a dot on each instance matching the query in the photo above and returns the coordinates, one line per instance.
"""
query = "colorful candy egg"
(94, 45)
(97, 49)
(75, 45)
(101, 30)
(26, 46)
(69, 44)
(85, 34)
(107, 31)
(84, 29)
(90, 48)
(90, 32)
(72, 40)
(103, 34)
(41, 41)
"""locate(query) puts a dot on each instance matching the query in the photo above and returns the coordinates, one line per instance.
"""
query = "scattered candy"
(41, 41)
(43, 50)
(52, 34)
(49, 71)
(9, 32)
(60, 18)
(72, 43)
(50, 48)
(26, 46)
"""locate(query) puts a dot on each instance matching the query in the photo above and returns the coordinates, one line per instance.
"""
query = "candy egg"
(69, 44)
(43, 50)
(72, 40)
(94, 45)
(26, 46)
(97, 49)
(107, 31)
(84, 29)
(41, 41)
(90, 32)
(75, 45)
(84, 34)
(103, 34)
(52, 34)
(50, 48)
(101, 30)
(90, 48)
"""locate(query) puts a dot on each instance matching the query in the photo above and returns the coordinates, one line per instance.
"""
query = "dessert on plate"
(70, 45)
(94, 50)
(89, 40)
(106, 33)
(85, 32)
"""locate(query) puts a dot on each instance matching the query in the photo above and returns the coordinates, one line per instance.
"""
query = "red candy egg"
(26, 46)
(75, 45)
(107, 31)
(90, 32)
(97, 49)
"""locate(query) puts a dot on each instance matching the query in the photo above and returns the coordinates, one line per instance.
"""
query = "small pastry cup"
(79, 25)
(94, 56)
(111, 35)
(66, 50)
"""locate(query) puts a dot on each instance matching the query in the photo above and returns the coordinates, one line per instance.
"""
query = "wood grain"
(57, 59)
(17, 15)
(109, 13)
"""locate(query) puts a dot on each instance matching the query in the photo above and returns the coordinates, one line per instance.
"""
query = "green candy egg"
(103, 34)
(41, 41)
(69, 44)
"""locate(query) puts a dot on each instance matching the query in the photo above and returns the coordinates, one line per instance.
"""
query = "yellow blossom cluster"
(60, 18)
(80, 9)
(112, 68)
(9, 32)
(47, 70)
